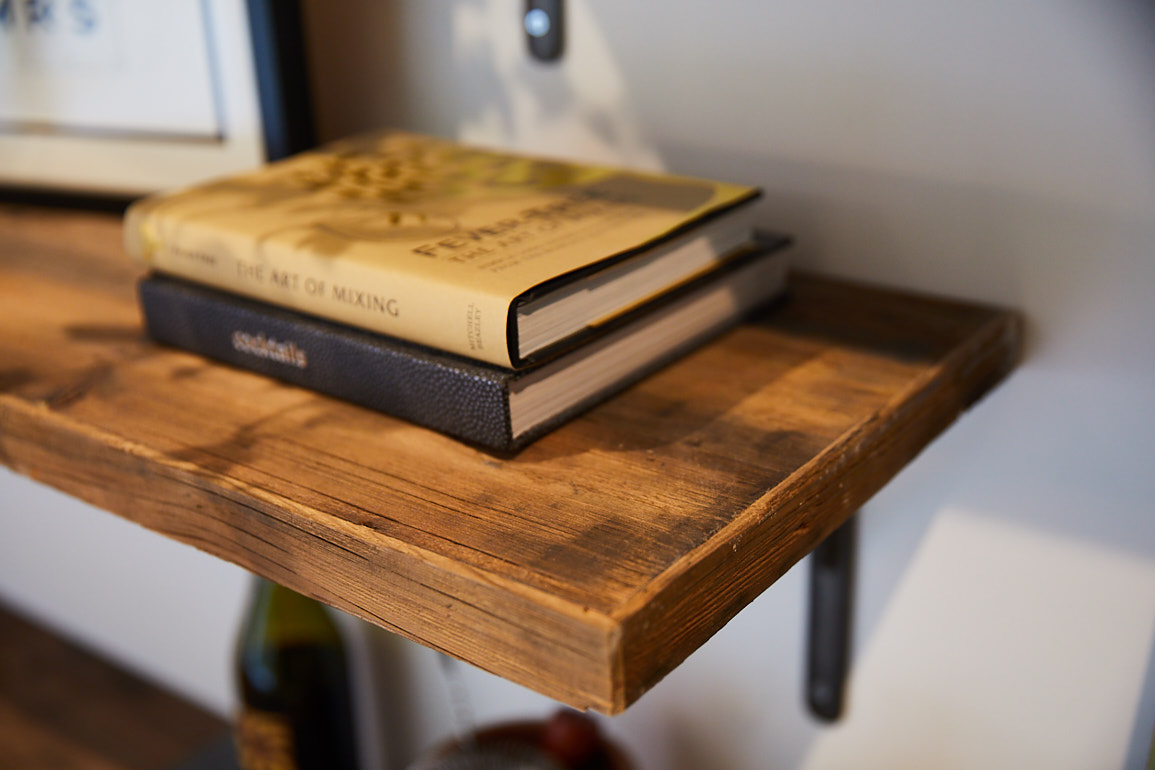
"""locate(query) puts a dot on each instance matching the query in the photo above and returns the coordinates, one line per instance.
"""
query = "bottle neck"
(283, 616)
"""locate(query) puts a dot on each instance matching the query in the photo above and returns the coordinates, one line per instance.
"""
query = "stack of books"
(484, 294)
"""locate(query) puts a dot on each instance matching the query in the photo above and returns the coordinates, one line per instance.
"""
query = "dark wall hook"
(544, 23)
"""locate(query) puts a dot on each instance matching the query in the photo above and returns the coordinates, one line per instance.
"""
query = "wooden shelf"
(586, 567)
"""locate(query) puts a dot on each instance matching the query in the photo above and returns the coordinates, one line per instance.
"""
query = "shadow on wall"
(357, 63)
(373, 67)
(461, 70)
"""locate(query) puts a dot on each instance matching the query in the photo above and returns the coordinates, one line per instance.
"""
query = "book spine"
(457, 319)
(456, 397)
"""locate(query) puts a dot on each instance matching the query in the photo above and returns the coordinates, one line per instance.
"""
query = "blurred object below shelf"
(63, 706)
(569, 740)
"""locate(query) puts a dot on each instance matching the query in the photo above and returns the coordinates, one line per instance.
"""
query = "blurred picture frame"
(108, 100)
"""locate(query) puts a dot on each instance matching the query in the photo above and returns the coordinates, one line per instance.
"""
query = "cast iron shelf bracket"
(832, 567)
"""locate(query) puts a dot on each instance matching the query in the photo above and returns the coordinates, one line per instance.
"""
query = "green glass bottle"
(296, 696)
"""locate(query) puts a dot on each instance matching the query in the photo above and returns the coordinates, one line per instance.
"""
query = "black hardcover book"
(490, 406)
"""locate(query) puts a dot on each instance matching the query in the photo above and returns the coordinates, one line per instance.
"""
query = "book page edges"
(637, 348)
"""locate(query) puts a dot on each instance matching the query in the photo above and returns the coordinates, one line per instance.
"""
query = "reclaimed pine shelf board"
(586, 567)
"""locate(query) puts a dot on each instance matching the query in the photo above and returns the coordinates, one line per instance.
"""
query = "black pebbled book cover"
(449, 394)
(454, 395)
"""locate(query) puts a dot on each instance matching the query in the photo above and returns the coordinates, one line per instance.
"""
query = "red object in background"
(573, 739)
(569, 737)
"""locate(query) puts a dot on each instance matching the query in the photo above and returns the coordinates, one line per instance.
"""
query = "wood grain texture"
(63, 707)
(587, 566)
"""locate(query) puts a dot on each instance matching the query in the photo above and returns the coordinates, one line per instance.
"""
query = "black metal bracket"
(832, 566)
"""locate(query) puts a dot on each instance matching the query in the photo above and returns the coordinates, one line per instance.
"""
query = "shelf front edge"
(565, 652)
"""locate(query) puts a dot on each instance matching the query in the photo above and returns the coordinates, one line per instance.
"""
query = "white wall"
(996, 151)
